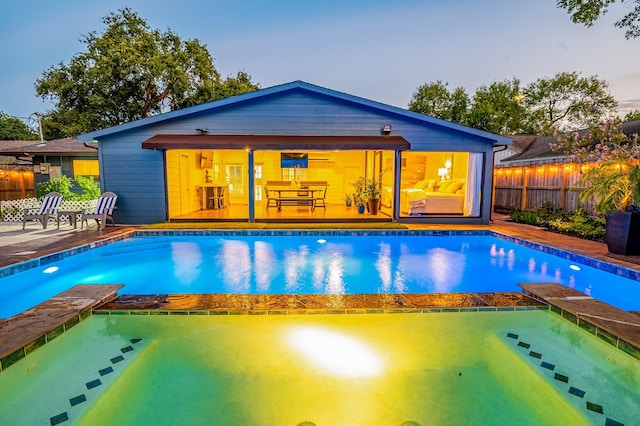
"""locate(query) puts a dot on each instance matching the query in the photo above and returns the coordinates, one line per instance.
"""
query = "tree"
(588, 11)
(128, 72)
(12, 128)
(498, 108)
(436, 100)
(632, 115)
(567, 100)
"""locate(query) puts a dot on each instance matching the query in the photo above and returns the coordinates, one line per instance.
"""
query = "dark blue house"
(296, 152)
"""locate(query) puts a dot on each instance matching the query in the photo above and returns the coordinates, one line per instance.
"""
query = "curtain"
(474, 185)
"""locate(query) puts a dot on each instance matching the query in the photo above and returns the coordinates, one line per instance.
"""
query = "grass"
(261, 225)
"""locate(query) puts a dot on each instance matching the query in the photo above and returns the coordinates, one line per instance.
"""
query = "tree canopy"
(12, 128)
(436, 100)
(497, 108)
(588, 11)
(563, 101)
(131, 71)
(567, 101)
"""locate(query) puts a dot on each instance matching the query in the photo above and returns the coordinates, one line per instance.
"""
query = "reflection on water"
(390, 279)
(383, 265)
(236, 266)
(335, 282)
(295, 262)
(186, 258)
(266, 265)
(445, 269)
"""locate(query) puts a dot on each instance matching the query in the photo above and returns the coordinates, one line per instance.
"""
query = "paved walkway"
(18, 245)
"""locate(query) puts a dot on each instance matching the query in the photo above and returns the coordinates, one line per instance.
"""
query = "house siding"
(138, 175)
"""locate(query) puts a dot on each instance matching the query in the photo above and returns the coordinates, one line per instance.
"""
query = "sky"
(379, 50)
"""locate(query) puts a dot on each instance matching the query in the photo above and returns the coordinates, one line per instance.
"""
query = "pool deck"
(26, 331)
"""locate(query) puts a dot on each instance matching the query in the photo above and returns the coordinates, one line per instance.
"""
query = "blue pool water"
(312, 265)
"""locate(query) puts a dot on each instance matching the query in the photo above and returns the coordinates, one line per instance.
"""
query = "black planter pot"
(623, 233)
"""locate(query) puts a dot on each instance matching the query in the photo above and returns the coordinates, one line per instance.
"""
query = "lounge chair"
(103, 211)
(48, 210)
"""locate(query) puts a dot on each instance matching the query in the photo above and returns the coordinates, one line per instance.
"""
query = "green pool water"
(374, 369)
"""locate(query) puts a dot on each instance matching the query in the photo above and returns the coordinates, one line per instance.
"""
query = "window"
(257, 178)
(291, 173)
(86, 168)
(235, 177)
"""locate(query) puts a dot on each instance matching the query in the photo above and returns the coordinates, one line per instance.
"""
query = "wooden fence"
(530, 187)
(16, 184)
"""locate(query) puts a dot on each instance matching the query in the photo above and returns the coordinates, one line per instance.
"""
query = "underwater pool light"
(575, 267)
(50, 270)
(336, 352)
(322, 241)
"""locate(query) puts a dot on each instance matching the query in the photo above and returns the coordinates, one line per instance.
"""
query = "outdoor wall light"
(386, 129)
(202, 131)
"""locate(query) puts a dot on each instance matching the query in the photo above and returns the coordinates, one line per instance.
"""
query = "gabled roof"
(66, 146)
(538, 148)
(295, 86)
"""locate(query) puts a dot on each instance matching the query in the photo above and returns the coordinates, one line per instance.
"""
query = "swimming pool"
(525, 368)
(330, 263)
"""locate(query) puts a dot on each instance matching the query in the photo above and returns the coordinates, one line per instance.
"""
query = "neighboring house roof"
(521, 143)
(295, 86)
(537, 148)
(66, 146)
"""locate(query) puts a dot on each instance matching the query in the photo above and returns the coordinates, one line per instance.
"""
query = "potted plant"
(373, 192)
(359, 193)
(614, 184)
(348, 199)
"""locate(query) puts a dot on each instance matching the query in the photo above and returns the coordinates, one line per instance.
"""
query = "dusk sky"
(379, 50)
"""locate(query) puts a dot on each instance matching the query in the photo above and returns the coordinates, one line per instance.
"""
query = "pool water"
(312, 265)
(382, 369)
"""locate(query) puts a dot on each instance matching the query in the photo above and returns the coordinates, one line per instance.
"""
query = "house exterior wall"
(138, 175)
(65, 162)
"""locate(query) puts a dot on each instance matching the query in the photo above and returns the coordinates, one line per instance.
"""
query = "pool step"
(615, 326)
(33, 328)
(93, 385)
(527, 347)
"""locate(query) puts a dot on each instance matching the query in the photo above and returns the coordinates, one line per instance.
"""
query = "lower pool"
(525, 368)
(312, 264)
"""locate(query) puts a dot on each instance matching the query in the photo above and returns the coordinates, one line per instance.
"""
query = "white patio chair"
(48, 210)
(103, 211)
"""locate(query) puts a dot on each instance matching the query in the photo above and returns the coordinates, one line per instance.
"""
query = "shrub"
(62, 185)
(527, 217)
(577, 224)
(89, 188)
